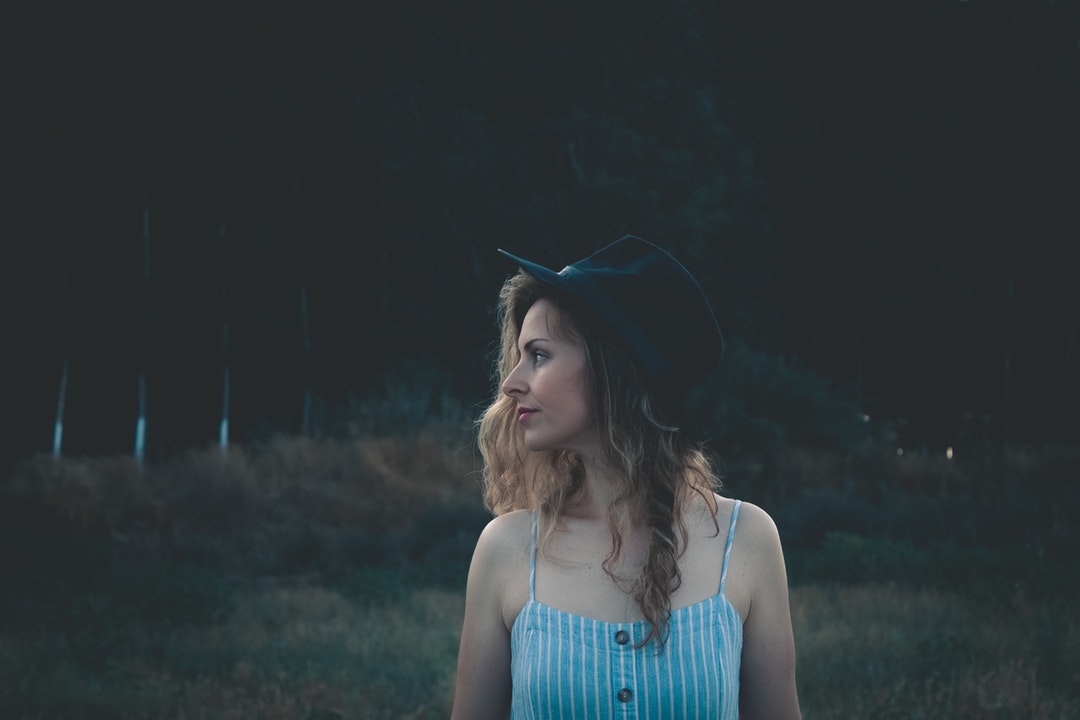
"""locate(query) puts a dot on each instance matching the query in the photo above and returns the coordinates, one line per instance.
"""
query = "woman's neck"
(597, 493)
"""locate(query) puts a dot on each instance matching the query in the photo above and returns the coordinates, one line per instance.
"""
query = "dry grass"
(383, 481)
(284, 653)
(320, 579)
(291, 653)
(881, 651)
(292, 506)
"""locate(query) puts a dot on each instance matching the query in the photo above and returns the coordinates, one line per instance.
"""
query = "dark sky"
(917, 164)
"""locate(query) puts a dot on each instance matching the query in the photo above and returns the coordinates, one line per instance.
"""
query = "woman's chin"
(537, 443)
(536, 446)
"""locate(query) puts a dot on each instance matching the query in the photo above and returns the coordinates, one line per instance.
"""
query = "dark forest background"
(880, 198)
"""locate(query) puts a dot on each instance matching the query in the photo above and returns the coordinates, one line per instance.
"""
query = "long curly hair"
(661, 470)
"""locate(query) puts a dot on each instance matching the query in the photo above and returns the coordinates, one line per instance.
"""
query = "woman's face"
(549, 385)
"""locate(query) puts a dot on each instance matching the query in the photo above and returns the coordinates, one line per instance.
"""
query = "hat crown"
(652, 305)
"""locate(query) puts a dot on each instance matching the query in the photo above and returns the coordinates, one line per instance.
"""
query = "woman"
(614, 581)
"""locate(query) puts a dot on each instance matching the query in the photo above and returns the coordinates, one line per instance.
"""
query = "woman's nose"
(513, 384)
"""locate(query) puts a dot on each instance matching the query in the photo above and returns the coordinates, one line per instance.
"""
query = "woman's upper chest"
(570, 573)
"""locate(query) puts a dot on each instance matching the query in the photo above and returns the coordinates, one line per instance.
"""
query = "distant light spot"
(899, 451)
(865, 418)
(948, 452)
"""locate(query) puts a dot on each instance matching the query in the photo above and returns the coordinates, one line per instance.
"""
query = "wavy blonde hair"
(661, 470)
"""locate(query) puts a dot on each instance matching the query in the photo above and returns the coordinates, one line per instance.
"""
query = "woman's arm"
(482, 689)
(767, 681)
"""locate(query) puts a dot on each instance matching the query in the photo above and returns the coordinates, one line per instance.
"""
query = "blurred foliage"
(90, 586)
(244, 577)
(320, 510)
(893, 651)
(756, 403)
(292, 507)
(377, 154)
(849, 558)
(413, 394)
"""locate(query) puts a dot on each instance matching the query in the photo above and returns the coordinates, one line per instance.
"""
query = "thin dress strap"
(727, 548)
(532, 560)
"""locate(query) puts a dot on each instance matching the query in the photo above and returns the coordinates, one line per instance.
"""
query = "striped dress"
(568, 666)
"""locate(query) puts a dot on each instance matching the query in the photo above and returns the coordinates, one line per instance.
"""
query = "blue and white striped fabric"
(568, 666)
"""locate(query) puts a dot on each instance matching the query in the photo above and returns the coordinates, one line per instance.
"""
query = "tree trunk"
(141, 422)
(859, 372)
(223, 430)
(58, 426)
(1070, 372)
(61, 396)
(1007, 365)
(305, 419)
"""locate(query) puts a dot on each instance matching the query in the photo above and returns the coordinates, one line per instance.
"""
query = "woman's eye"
(537, 357)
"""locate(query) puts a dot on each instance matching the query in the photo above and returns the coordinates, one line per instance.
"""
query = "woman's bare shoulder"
(751, 517)
(756, 538)
(509, 526)
(500, 564)
(756, 525)
(505, 538)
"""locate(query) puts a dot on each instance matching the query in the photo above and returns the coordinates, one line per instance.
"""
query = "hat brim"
(541, 273)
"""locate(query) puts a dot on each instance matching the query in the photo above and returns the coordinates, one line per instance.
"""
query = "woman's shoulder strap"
(532, 557)
(727, 546)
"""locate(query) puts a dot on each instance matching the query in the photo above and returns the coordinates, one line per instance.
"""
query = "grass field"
(325, 580)
(867, 651)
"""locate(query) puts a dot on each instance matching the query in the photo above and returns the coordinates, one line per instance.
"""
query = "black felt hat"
(652, 305)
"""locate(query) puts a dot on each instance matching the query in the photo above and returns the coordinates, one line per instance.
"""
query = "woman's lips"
(524, 413)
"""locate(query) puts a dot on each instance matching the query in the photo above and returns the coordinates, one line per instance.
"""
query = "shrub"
(756, 402)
